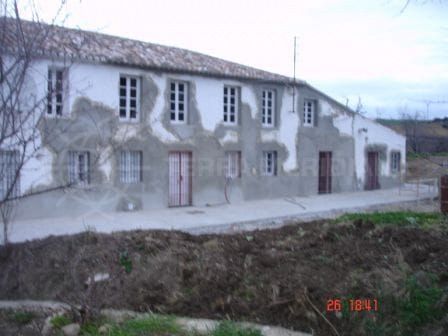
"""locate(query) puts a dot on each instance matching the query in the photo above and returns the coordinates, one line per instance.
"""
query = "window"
(9, 174)
(178, 102)
(230, 104)
(268, 108)
(232, 164)
(309, 110)
(395, 161)
(79, 168)
(129, 97)
(55, 92)
(1, 70)
(130, 166)
(270, 163)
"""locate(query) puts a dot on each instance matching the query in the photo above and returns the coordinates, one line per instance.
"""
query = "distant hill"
(423, 136)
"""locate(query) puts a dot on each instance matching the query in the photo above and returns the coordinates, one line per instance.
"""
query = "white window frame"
(395, 164)
(230, 92)
(56, 94)
(268, 108)
(269, 163)
(309, 112)
(79, 168)
(232, 164)
(131, 166)
(178, 102)
(9, 167)
(124, 94)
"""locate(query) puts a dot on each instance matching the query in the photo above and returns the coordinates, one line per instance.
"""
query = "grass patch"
(21, 317)
(397, 218)
(228, 328)
(60, 321)
(164, 325)
(420, 306)
(153, 325)
(408, 314)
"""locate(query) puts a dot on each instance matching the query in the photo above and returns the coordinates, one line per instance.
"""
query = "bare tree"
(411, 123)
(20, 108)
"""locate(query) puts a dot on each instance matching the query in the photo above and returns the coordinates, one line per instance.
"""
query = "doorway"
(325, 172)
(180, 178)
(372, 181)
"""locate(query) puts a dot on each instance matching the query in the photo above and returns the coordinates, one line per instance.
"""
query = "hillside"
(422, 135)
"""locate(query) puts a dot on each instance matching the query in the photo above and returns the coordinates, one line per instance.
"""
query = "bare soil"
(269, 277)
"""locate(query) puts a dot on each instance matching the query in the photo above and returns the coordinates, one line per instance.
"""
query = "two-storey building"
(133, 125)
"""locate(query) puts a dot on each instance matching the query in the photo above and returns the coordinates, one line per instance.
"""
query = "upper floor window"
(269, 163)
(129, 97)
(178, 102)
(232, 164)
(130, 166)
(79, 167)
(268, 108)
(231, 104)
(9, 174)
(55, 91)
(309, 111)
(395, 162)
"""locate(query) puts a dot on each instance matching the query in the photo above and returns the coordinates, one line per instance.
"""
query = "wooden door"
(180, 192)
(324, 172)
(372, 181)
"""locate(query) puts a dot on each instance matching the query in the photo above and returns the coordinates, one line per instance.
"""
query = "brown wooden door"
(372, 171)
(324, 172)
(180, 193)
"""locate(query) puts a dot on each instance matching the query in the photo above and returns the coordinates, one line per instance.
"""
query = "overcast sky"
(347, 48)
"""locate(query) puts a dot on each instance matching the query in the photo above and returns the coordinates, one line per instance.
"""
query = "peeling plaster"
(94, 125)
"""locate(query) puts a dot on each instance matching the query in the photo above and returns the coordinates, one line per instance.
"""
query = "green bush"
(125, 261)
(420, 306)
(60, 321)
(406, 315)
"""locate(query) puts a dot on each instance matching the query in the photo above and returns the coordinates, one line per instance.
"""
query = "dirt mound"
(270, 276)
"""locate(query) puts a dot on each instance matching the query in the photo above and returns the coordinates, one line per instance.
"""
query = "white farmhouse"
(127, 125)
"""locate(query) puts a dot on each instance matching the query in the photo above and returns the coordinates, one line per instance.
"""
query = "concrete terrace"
(225, 218)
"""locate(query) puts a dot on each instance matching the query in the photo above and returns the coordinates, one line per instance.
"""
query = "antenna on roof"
(294, 78)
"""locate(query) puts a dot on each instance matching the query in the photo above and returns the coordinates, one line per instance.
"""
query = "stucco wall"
(91, 122)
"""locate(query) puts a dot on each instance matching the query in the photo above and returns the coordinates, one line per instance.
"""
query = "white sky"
(346, 48)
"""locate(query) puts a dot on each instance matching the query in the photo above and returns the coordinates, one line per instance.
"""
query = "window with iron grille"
(55, 91)
(1, 69)
(178, 102)
(79, 167)
(9, 174)
(129, 97)
(130, 166)
(269, 163)
(230, 105)
(232, 164)
(309, 110)
(395, 162)
(268, 108)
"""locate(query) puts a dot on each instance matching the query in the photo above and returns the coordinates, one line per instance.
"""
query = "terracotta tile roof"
(56, 41)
